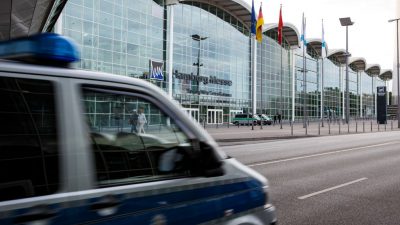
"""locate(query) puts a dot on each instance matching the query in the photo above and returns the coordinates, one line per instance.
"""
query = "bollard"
(348, 127)
(319, 128)
(329, 127)
(371, 125)
(228, 123)
(252, 125)
(307, 127)
(291, 127)
(339, 126)
(356, 126)
(385, 126)
(391, 125)
(363, 127)
(261, 124)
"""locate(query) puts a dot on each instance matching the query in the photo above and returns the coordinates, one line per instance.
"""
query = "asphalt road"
(347, 179)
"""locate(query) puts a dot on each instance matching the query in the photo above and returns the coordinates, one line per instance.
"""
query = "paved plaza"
(231, 133)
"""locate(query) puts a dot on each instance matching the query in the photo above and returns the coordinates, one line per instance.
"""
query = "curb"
(264, 138)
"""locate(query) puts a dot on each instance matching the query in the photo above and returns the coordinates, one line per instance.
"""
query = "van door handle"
(107, 206)
(104, 205)
(38, 213)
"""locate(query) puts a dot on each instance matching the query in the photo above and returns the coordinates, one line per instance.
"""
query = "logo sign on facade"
(381, 91)
(156, 70)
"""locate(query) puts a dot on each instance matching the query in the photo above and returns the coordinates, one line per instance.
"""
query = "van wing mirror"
(204, 161)
(199, 158)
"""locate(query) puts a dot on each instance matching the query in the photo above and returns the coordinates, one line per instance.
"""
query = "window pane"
(128, 135)
(28, 139)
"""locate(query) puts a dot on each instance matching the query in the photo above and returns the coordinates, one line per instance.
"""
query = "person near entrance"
(133, 121)
(141, 121)
(279, 118)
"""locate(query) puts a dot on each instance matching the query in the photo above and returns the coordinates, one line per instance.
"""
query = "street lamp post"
(347, 22)
(198, 38)
(398, 74)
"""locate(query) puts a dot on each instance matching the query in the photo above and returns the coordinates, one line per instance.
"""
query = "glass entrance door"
(193, 113)
(214, 116)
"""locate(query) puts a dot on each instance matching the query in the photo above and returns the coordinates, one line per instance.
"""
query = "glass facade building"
(212, 66)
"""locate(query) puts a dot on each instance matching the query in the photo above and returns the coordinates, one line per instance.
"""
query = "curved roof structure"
(337, 55)
(373, 69)
(290, 32)
(240, 9)
(357, 63)
(20, 18)
(386, 75)
(316, 45)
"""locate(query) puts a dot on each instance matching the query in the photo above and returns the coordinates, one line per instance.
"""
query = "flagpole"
(304, 79)
(261, 75)
(281, 85)
(322, 92)
(304, 88)
(253, 60)
(323, 48)
(280, 30)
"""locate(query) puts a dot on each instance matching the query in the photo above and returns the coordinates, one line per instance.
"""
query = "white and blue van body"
(71, 154)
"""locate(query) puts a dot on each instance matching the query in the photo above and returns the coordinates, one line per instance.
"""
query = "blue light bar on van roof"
(45, 48)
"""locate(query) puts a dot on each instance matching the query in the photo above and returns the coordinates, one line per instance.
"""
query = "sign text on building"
(203, 79)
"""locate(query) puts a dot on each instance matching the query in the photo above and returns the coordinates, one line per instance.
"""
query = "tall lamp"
(198, 38)
(398, 74)
(346, 22)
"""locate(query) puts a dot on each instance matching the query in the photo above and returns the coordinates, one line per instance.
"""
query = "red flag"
(259, 26)
(280, 27)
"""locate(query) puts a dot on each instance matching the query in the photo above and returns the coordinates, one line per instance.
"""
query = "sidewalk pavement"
(223, 133)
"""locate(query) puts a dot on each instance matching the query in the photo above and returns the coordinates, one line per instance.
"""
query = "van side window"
(129, 134)
(29, 149)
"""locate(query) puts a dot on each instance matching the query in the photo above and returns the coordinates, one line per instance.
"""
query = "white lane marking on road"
(320, 154)
(332, 188)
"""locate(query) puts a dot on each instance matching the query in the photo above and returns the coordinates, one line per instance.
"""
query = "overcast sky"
(371, 36)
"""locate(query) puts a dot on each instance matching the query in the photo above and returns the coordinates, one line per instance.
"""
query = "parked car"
(266, 119)
(246, 119)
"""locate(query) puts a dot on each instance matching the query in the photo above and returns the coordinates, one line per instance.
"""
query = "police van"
(70, 153)
(246, 119)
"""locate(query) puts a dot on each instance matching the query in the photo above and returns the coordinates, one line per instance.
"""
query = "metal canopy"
(337, 56)
(357, 63)
(315, 45)
(386, 75)
(240, 9)
(289, 32)
(373, 69)
(20, 18)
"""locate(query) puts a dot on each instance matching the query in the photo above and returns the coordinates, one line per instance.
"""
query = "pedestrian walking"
(279, 118)
(141, 121)
(274, 119)
(133, 121)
